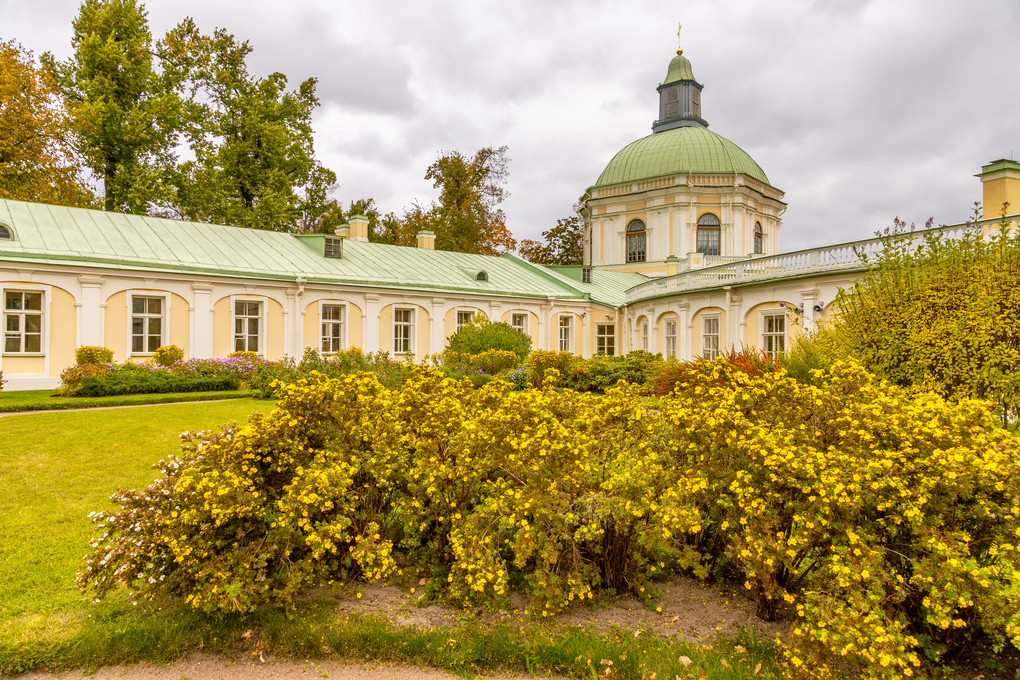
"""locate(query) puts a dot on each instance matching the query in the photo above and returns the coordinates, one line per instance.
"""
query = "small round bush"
(250, 356)
(89, 354)
(482, 336)
(168, 355)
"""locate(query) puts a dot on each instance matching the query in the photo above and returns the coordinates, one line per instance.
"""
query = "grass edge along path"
(45, 400)
(315, 630)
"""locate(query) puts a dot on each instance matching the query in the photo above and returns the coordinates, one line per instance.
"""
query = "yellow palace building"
(682, 257)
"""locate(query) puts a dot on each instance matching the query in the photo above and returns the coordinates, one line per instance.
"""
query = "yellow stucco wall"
(312, 321)
(275, 330)
(554, 332)
(696, 339)
(997, 191)
(532, 324)
(450, 320)
(752, 323)
(117, 315)
(25, 365)
(421, 330)
(62, 331)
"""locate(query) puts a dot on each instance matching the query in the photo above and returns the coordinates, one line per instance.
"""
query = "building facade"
(681, 258)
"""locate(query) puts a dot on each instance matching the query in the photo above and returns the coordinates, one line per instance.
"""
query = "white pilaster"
(202, 322)
(91, 310)
(372, 323)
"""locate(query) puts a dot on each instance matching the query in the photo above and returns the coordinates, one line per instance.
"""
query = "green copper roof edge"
(541, 271)
(1001, 164)
(94, 262)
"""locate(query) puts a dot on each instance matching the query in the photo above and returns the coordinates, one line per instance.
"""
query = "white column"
(372, 324)
(734, 321)
(544, 329)
(202, 322)
(687, 327)
(653, 329)
(437, 327)
(809, 298)
(291, 343)
(494, 308)
(91, 310)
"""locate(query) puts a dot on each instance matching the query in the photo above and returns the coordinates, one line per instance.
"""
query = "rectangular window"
(671, 338)
(464, 318)
(708, 240)
(247, 326)
(566, 339)
(636, 247)
(773, 335)
(23, 321)
(696, 101)
(710, 337)
(644, 336)
(332, 338)
(605, 339)
(403, 329)
(146, 324)
(519, 322)
(672, 102)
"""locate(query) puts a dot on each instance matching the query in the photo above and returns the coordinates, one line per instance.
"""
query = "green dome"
(679, 69)
(682, 149)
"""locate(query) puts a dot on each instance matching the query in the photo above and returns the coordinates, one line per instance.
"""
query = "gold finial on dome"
(679, 50)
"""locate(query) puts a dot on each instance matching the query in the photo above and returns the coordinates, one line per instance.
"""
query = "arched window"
(5, 232)
(636, 241)
(482, 276)
(708, 234)
(759, 239)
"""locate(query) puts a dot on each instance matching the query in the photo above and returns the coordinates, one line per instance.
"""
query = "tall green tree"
(564, 244)
(124, 112)
(37, 161)
(467, 217)
(252, 140)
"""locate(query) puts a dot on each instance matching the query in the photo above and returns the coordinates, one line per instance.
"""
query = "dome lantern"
(679, 96)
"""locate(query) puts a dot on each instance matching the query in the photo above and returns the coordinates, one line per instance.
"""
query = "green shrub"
(602, 372)
(2, 381)
(667, 376)
(940, 315)
(151, 382)
(168, 355)
(90, 354)
(540, 362)
(244, 354)
(491, 361)
(269, 375)
(71, 377)
(482, 336)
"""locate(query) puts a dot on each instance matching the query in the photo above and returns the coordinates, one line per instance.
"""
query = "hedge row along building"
(681, 257)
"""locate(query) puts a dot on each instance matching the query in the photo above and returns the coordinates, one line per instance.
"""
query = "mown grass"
(56, 468)
(44, 400)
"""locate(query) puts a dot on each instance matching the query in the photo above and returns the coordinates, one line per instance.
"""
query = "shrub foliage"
(89, 354)
(887, 522)
(482, 336)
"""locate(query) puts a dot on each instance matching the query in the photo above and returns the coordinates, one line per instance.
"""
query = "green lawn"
(55, 468)
(42, 400)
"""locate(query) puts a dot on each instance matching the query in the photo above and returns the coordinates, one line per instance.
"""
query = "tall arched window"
(708, 234)
(759, 239)
(636, 241)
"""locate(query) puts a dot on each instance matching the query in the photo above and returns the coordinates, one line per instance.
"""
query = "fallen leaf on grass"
(246, 634)
(685, 660)
(725, 664)
(757, 669)
(739, 649)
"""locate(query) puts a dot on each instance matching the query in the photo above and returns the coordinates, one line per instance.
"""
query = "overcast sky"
(859, 111)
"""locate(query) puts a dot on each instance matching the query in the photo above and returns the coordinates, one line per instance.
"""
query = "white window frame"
(670, 339)
(463, 310)
(763, 314)
(599, 337)
(565, 344)
(645, 340)
(523, 330)
(411, 338)
(344, 323)
(44, 322)
(706, 351)
(165, 316)
(263, 325)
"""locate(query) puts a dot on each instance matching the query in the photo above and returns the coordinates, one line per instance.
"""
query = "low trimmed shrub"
(91, 354)
(602, 372)
(482, 336)
(168, 355)
(140, 380)
(71, 377)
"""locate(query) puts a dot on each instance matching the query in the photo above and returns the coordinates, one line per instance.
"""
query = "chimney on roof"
(359, 227)
(427, 239)
(343, 231)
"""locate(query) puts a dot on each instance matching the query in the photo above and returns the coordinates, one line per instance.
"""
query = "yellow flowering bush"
(886, 522)
(889, 521)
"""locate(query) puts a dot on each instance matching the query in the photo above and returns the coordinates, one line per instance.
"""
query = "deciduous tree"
(37, 160)
(125, 114)
(564, 244)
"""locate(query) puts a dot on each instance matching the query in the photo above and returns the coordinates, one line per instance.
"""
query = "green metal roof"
(1001, 164)
(679, 69)
(96, 239)
(683, 149)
